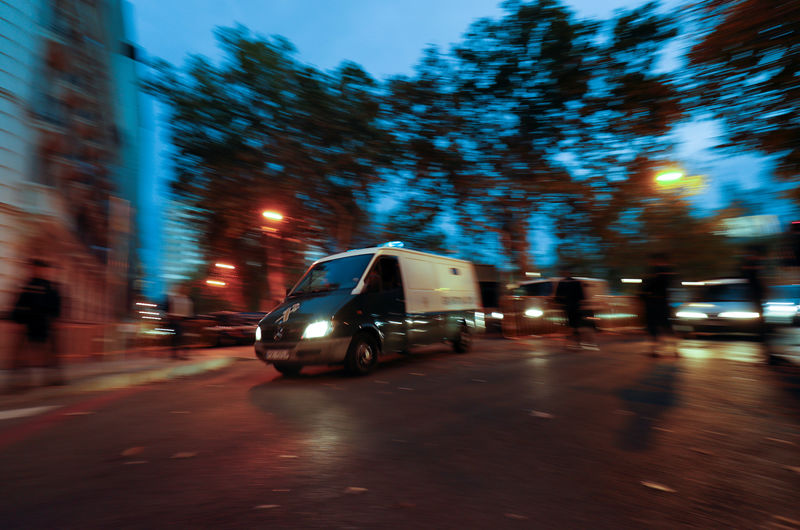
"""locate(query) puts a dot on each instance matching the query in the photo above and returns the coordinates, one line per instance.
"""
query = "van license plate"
(277, 355)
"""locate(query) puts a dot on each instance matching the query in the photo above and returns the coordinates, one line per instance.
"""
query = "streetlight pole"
(276, 279)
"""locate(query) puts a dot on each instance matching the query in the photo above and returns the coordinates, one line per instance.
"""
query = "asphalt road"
(515, 434)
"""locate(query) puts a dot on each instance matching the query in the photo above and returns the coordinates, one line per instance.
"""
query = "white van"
(351, 307)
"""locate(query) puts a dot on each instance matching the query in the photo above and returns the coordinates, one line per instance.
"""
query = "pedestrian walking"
(655, 294)
(179, 310)
(570, 297)
(37, 308)
(752, 270)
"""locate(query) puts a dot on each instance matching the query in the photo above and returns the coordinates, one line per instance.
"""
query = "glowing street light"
(224, 266)
(273, 215)
(669, 176)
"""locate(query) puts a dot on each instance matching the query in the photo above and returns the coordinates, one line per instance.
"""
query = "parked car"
(783, 305)
(531, 307)
(718, 306)
(251, 320)
(227, 328)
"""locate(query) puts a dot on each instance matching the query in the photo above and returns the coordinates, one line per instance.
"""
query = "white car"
(717, 306)
(783, 305)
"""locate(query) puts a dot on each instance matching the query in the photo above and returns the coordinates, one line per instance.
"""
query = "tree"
(744, 71)
(480, 128)
(572, 119)
(261, 130)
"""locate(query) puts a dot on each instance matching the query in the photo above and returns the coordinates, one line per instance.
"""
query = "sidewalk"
(125, 369)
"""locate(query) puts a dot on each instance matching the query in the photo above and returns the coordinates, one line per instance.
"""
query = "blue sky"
(386, 37)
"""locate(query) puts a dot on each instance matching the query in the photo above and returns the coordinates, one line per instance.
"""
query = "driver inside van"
(373, 281)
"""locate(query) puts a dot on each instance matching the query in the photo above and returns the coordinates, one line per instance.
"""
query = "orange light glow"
(224, 266)
(275, 216)
(216, 283)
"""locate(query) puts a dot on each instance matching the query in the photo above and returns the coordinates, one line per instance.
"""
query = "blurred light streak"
(533, 274)
(224, 266)
(669, 176)
(691, 314)
(216, 282)
(146, 304)
(534, 313)
(631, 280)
(739, 314)
(275, 216)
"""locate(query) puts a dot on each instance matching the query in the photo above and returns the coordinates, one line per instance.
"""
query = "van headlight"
(258, 333)
(317, 329)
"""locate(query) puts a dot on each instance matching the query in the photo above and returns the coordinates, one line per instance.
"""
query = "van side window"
(390, 273)
(384, 275)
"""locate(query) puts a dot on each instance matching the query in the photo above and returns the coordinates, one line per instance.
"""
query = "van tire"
(289, 370)
(362, 355)
(463, 341)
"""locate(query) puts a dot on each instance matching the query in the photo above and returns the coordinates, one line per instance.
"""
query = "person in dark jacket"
(37, 308)
(655, 296)
(570, 296)
(752, 269)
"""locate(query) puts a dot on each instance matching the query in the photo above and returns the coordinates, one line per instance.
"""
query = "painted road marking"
(24, 413)
(30, 428)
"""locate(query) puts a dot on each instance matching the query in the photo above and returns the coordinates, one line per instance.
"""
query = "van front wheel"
(462, 341)
(362, 356)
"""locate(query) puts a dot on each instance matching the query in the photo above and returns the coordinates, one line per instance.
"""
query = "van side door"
(384, 302)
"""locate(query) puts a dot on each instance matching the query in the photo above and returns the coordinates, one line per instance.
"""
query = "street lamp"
(669, 176)
(273, 215)
(677, 179)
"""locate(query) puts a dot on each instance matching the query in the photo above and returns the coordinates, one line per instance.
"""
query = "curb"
(126, 379)
(117, 380)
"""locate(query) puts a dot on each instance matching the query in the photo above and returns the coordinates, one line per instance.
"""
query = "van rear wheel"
(289, 370)
(362, 356)
(463, 341)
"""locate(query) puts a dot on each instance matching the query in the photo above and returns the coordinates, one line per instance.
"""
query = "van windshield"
(341, 273)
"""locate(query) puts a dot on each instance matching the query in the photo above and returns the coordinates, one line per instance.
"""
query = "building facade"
(69, 150)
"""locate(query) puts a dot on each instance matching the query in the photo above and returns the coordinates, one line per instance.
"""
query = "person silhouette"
(37, 308)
